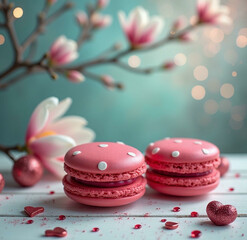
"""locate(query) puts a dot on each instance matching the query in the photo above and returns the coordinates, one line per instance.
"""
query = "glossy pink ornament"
(2, 182)
(27, 171)
(221, 214)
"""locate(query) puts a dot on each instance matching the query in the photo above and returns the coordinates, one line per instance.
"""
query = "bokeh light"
(198, 92)
(234, 74)
(134, 61)
(200, 73)
(211, 106)
(241, 41)
(227, 90)
(216, 35)
(18, 12)
(2, 39)
(180, 59)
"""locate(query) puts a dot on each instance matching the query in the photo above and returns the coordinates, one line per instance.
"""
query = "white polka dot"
(155, 150)
(131, 154)
(175, 153)
(120, 142)
(103, 145)
(76, 153)
(198, 143)
(151, 144)
(178, 141)
(167, 138)
(102, 166)
(205, 151)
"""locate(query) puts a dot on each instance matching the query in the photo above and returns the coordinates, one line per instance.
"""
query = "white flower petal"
(40, 117)
(51, 146)
(55, 166)
(83, 135)
(60, 109)
(67, 124)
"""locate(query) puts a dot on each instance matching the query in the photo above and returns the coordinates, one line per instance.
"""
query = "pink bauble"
(27, 171)
(2, 182)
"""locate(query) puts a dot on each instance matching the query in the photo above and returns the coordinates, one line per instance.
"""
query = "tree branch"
(7, 150)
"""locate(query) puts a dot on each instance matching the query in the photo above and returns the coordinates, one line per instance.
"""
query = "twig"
(10, 28)
(42, 22)
(136, 70)
(7, 150)
(15, 79)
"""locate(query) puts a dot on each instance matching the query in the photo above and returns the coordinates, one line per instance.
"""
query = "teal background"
(150, 107)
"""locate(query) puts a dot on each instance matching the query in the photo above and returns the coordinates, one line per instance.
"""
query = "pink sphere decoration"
(2, 182)
(27, 171)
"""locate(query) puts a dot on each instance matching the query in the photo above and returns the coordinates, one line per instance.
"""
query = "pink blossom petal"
(40, 117)
(51, 146)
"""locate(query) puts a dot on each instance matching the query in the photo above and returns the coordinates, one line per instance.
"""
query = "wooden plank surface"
(118, 223)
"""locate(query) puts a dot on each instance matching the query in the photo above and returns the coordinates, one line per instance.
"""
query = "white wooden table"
(119, 222)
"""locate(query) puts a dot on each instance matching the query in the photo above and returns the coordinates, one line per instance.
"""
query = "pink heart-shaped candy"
(56, 232)
(221, 214)
(33, 211)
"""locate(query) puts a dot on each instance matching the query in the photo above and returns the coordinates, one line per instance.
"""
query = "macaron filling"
(106, 184)
(173, 174)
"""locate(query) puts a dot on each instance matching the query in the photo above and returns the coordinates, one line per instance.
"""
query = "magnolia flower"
(100, 21)
(169, 65)
(49, 136)
(102, 3)
(210, 11)
(62, 51)
(187, 37)
(51, 2)
(82, 18)
(75, 76)
(179, 24)
(108, 81)
(139, 27)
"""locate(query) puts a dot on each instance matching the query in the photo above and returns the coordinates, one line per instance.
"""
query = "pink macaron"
(182, 166)
(224, 166)
(104, 174)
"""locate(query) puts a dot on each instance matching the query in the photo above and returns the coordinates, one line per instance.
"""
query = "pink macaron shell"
(104, 202)
(105, 177)
(183, 168)
(189, 150)
(183, 181)
(224, 166)
(182, 191)
(117, 157)
(87, 194)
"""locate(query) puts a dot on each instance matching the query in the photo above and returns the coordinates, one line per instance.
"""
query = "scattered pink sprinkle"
(137, 226)
(176, 209)
(196, 234)
(146, 215)
(163, 220)
(61, 217)
(95, 229)
(51, 192)
(237, 175)
(29, 221)
(7, 198)
(194, 214)
(231, 189)
(242, 235)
